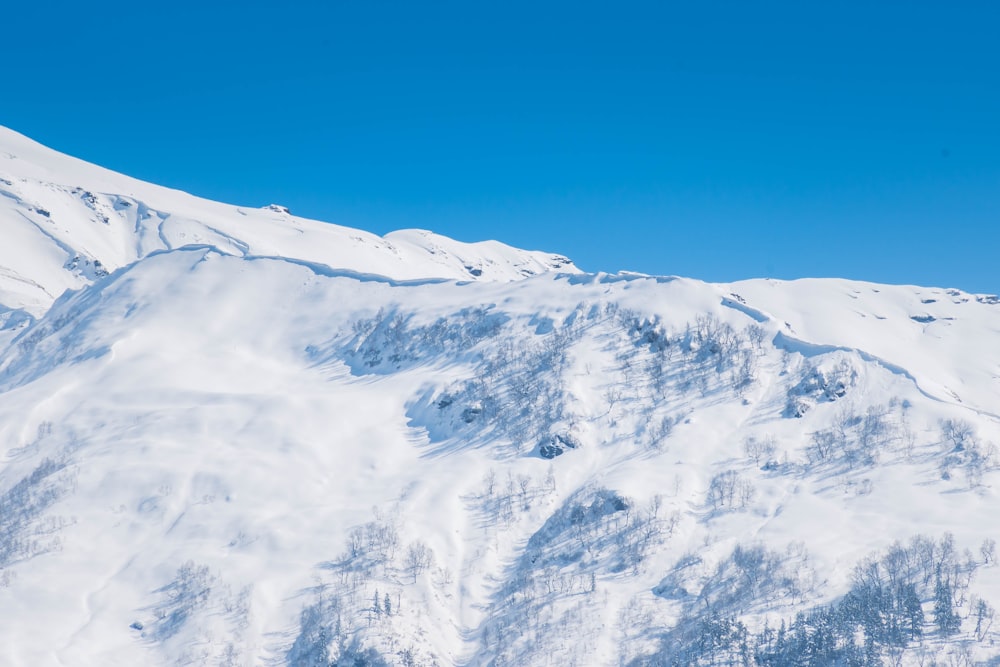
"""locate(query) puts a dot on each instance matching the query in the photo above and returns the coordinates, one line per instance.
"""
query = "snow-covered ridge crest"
(64, 223)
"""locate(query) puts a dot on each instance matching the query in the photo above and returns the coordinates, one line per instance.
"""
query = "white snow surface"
(221, 443)
(64, 220)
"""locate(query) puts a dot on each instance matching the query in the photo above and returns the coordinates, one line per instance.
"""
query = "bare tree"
(490, 482)
(957, 434)
(729, 490)
(988, 551)
(418, 559)
(759, 448)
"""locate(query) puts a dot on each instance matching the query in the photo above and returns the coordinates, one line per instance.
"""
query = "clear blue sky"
(719, 140)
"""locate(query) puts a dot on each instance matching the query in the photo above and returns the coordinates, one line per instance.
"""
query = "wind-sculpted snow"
(951, 355)
(66, 223)
(229, 445)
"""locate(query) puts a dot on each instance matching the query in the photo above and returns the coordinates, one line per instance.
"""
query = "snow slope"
(216, 456)
(945, 338)
(65, 222)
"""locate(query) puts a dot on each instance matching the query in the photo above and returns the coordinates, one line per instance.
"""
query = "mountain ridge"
(210, 456)
(78, 221)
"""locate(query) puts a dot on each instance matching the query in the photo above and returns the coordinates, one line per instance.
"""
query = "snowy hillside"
(66, 222)
(249, 439)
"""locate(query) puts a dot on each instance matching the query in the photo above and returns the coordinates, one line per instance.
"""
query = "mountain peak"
(68, 221)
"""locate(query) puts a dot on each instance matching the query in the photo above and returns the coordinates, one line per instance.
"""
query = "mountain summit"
(230, 436)
(66, 222)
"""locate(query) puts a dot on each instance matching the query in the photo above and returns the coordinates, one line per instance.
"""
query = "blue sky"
(719, 140)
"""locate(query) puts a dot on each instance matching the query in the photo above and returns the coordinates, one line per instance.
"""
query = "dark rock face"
(556, 445)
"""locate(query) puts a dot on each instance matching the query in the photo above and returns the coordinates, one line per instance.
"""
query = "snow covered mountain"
(66, 222)
(234, 437)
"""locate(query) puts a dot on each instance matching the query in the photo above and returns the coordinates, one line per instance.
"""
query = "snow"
(56, 208)
(250, 421)
(953, 356)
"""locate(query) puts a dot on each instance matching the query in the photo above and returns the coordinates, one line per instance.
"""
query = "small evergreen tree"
(913, 611)
(947, 621)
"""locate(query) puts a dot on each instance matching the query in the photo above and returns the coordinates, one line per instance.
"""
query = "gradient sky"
(718, 140)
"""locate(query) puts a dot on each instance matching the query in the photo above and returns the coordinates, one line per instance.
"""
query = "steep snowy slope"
(217, 457)
(65, 222)
(945, 338)
(234, 456)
